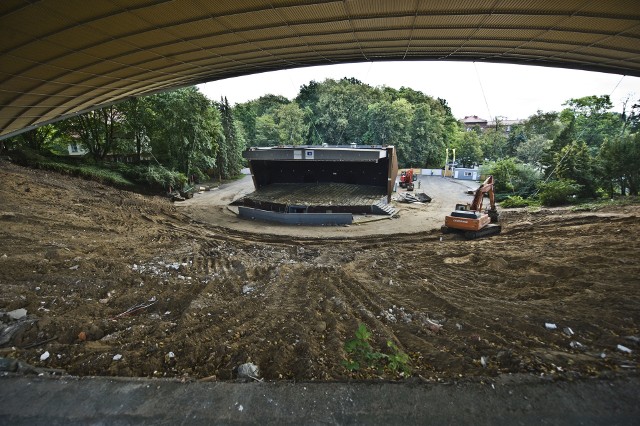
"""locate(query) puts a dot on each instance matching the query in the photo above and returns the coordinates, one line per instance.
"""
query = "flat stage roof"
(363, 153)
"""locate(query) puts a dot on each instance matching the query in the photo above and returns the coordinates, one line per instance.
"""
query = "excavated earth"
(120, 284)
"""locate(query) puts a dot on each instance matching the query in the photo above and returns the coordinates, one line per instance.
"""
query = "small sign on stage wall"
(309, 154)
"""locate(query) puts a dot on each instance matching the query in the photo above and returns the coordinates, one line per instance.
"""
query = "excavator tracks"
(487, 231)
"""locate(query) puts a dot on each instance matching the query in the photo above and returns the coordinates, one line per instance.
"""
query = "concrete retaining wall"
(431, 172)
(296, 218)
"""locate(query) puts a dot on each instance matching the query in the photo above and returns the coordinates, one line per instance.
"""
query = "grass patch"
(596, 205)
(71, 167)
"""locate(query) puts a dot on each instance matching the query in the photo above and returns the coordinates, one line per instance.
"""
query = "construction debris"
(136, 308)
(417, 197)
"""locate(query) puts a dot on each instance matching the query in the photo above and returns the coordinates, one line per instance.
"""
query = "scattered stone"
(117, 357)
(248, 370)
(7, 333)
(568, 331)
(483, 361)
(15, 366)
(321, 326)
(550, 326)
(4, 256)
(170, 359)
(74, 267)
(82, 336)
(432, 325)
(624, 349)
(576, 345)
(18, 314)
(246, 289)
(44, 356)
(8, 364)
(95, 332)
(7, 215)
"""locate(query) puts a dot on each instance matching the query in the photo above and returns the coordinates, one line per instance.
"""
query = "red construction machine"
(470, 220)
(407, 179)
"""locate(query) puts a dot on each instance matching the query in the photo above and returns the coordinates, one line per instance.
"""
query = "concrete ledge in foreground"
(510, 400)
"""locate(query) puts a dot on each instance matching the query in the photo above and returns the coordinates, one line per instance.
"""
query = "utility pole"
(453, 163)
(446, 164)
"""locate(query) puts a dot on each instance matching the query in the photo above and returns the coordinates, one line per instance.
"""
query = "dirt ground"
(213, 291)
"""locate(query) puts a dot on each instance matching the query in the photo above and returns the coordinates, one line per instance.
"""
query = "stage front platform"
(318, 198)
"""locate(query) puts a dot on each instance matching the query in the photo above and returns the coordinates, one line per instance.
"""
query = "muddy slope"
(78, 255)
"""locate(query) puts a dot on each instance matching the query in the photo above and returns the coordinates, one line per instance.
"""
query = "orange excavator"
(470, 220)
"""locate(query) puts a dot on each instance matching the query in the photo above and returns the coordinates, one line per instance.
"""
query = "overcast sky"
(511, 91)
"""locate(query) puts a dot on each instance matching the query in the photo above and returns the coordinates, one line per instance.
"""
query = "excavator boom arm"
(486, 187)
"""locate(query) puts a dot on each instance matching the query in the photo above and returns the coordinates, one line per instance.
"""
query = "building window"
(467, 173)
(74, 147)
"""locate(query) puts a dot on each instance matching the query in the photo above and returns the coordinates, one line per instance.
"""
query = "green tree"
(494, 143)
(188, 131)
(247, 116)
(266, 131)
(532, 150)
(575, 163)
(427, 136)
(291, 126)
(566, 137)
(511, 176)
(620, 158)
(229, 161)
(516, 137)
(268, 104)
(341, 111)
(389, 124)
(546, 124)
(468, 150)
(247, 113)
(309, 94)
(138, 121)
(45, 138)
(99, 131)
(503, 172)
(594, 123)
(630, 116)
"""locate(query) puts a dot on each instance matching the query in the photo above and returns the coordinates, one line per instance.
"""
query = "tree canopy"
(586, 148)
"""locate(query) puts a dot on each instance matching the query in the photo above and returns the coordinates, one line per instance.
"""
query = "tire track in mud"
(288, 276)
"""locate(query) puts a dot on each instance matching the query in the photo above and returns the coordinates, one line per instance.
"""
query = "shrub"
(155, 176)
(512, 177)
(558, 192)
(515, 201)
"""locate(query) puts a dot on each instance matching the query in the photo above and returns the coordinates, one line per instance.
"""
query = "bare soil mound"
(103, 272)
